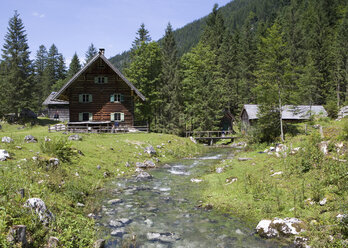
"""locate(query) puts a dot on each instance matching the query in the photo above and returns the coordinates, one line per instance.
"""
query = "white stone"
(40, 209)
(323, 202)
(196, 180)
(4, 155)
(6, 140)
(219, 170)
(264, 230)
(277, 173)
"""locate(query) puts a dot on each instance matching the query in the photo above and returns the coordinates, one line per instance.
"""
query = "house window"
(117, 97)
(101, 80)
(118, 116)
(85, 98)
(85, 116)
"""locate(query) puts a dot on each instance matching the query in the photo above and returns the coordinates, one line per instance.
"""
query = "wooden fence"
(96, 128)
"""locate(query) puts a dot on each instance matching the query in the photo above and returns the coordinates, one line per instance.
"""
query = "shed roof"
(99, 55)
(49, 100)
(289, 112)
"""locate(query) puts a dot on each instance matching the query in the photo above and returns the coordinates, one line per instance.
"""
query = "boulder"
(115, 223)
(323, 202)
(149, 164)
(279, 227)
(17, 235)
(219, 170)
(343, 112)
(143, 175)
(150, 150)
(4, 155)
(6, 140)
(231, 180)
(280, 148)
(118, 232)
(323, 146)
(114, 201)
(127, 164)
(75, 137)
(100, 243)
(53, 242)
(301, 242)
(276, 173)
(53, 163)
(47, 139)
(30, 139)
(164, 237)
(38, 205)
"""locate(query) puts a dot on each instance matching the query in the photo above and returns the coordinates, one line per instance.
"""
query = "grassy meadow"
(85, 166)
(303, 180)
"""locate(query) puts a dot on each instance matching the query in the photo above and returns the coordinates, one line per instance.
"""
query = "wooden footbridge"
(210, 136)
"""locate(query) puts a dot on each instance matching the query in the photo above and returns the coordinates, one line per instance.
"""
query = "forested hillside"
(271, 53)
(234, 14)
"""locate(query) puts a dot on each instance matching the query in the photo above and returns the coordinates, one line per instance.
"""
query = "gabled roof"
(99, 55)
(49, 100)
(289, 112)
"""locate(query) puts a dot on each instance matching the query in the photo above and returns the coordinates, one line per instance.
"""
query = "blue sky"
(112, 24)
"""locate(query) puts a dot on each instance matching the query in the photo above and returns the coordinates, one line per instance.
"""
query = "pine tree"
(54, 71)
(273, 75)
(144, 71)
(40, 63)
(17, 79)
(91, 52)
(170, 87)
(142, 36)
(74, 66)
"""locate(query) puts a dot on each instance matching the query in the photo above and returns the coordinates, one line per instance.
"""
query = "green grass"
(77, 181)
(257, 195)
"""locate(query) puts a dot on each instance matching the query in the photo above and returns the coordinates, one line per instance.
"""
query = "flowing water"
(164, 211)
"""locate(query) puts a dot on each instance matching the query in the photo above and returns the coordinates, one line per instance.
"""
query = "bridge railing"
(209, 134)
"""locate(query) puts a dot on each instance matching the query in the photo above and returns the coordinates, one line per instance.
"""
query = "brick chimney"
(101, 51)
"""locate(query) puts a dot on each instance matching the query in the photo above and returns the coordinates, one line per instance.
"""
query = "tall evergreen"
(142, 36)
(273, 74)
(16, 77)
(75, 66)
(144, 71)
(91, 52)
(170, 88)
(54, 71)
(40, 63)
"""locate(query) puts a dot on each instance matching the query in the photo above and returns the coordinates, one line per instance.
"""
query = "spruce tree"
(40, 63)
(74, 66)
(142, 36)
(170, 86)
(91, 52)
(17, 79)
(273, 75)
(144, 71)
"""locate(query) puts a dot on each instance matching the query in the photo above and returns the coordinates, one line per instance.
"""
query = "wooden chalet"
(56, 109)
(100, 95)
(290, 113)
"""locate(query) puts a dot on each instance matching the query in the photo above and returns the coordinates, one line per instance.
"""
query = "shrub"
(345, 129)
(332, 109)
(59, 148)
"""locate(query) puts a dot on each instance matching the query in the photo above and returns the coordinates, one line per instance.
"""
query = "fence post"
(49, 128)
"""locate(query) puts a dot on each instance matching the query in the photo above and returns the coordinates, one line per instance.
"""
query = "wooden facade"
(56, 108)
(100, 93)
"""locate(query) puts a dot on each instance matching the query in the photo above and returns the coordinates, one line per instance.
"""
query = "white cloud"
(37, 14)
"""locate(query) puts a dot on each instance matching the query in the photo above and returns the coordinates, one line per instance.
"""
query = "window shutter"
(96, 80)
(112, 98)
(90, 98)
(80, 116)
(90, 117)
(81, 98)
(122, 97)
(112, 116)
(122, 116)
(105, 80)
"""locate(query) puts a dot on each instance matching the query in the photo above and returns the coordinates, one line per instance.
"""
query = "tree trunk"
(281, 120)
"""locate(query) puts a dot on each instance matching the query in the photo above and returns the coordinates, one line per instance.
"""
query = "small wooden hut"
(56, 108)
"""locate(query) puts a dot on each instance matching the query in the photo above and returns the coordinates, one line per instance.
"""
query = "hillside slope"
(234, 13)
